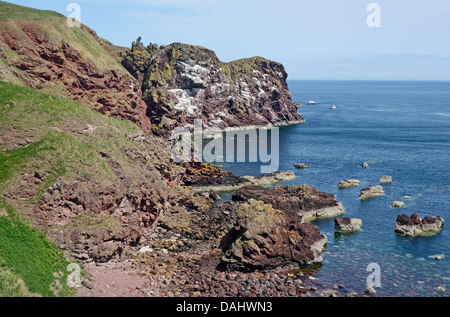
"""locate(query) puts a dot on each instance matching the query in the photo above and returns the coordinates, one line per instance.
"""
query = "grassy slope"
(61, 144)
(100, 54)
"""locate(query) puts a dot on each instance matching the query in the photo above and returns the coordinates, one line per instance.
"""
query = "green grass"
(27, 255)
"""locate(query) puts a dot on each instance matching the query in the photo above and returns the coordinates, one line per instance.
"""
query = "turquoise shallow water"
(401, 129)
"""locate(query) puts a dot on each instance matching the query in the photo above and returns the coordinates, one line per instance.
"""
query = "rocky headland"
(181, 83)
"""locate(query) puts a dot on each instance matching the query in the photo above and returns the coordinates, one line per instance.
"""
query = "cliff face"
(181, 83)
(40, 51)
(158, 88)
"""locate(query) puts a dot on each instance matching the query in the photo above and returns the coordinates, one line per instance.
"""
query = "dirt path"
(112, 280)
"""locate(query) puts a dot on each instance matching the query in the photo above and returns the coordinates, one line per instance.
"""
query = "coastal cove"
(400, 129)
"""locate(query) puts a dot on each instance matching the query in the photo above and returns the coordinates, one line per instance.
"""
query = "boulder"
(349, 183)
(300, 165)
(301, 201)
(267, 238)
(414, 226)
(345, 224)
(398, 204)
(365, 165)
(385, 180)
(371, 192)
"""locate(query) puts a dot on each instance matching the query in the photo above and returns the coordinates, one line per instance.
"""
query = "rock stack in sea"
(347, 225)
(414, 226)
(371, 192)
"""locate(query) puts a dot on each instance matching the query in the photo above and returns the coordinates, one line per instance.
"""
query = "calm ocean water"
(401, 129)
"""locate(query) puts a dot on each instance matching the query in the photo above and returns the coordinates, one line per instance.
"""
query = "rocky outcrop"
(204, 177)
(347, 225)
(210, 177)
(272, 178)
(371, 192)
(385, 179)
(302, 201)
(266, 238)
(414, 226)
(349, 183)
(40, 51)
(181, 83)
(301, 165)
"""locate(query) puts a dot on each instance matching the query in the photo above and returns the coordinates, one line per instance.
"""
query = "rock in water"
(300, 165)
(365, 165)
(414, 226)
(386, 180)
(370, 290)
(371, 192)
(398, 204)
(267, 238)
(347, 225)
(349, 183)
(298, 200)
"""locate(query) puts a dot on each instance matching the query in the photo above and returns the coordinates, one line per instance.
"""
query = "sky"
(313, 39)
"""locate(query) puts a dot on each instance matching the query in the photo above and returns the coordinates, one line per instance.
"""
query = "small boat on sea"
(333, 107)
(311, 102)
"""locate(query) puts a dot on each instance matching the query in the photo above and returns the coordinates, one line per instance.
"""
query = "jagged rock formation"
(302, 201)
(181, 83)
(266, 238)
(414, 226)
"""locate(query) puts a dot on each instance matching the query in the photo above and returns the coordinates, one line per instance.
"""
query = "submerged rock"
(345, 224)
(414, 226)
(385, 180)
(266, 238)
(301, 165)
(349, 183)
(299, 200)
(371, 192)
(398, 204)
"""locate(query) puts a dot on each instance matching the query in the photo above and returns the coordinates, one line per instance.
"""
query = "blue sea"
(401, 129)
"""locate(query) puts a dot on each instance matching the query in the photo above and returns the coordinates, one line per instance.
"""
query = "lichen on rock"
(265, 238)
